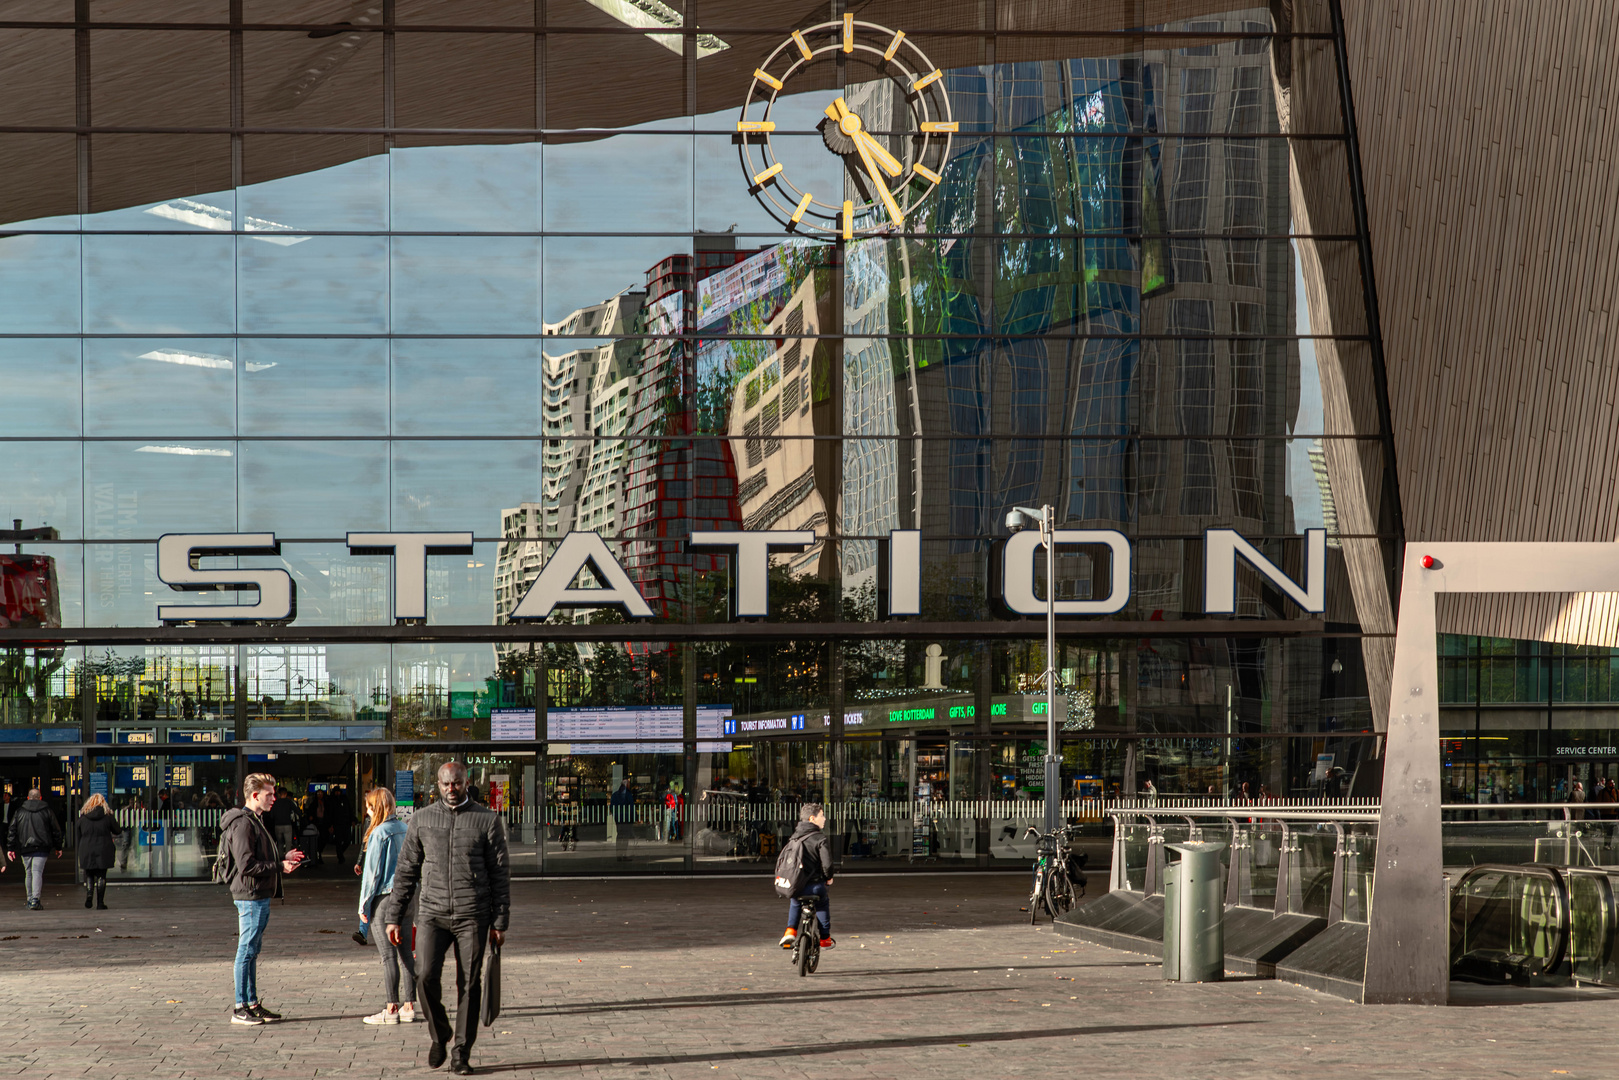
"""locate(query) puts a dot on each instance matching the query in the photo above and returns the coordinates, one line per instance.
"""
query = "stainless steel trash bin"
(1194, 915)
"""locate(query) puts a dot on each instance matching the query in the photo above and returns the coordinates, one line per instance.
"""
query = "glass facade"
(437, 272)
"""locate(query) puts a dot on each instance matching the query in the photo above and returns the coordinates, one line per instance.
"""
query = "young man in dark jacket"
(255, 870)
(35, 833)
(818, 857)
(455, 865)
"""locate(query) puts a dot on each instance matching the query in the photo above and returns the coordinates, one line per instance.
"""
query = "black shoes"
(101, 905)
(461, 1067)
(244, 1014)
(35, 905)
(436, 1055)
(258, 1010)
(359, 937)
(88, 900)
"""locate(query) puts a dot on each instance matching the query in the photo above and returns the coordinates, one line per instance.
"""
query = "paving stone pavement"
(936, 976)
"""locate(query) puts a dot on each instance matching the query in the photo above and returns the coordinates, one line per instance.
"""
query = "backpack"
(224, 865)
(792, 873)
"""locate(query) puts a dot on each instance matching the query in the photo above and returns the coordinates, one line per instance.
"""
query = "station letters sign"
(180, 555)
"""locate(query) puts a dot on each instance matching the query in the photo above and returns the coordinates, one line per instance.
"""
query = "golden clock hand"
(838, 110)
(889, 163)
(882, 189)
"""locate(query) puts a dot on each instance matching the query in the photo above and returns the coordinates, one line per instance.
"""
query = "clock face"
(891, 127)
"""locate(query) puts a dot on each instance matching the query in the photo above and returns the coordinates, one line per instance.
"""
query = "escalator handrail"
(1555, 874)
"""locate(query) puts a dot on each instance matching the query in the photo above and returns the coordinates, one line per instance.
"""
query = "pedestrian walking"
(623, 808)
(253, 868)
(384, 839)
(125, 840)
(34, 835)
(455, 852)
(283, 816)
(96, 830)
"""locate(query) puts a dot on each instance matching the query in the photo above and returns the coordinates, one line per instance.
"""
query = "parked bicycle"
(1058, 872)
(806, 954)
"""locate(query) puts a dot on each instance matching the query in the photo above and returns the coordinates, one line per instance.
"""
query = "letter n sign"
(1220, 550)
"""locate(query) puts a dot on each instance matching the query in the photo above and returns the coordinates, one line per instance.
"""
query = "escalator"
(1534, 925)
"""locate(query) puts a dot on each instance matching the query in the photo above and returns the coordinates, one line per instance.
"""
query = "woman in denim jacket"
(384, 837)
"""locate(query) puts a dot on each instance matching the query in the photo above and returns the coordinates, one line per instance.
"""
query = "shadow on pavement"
(711, 1001)
(854, 1046)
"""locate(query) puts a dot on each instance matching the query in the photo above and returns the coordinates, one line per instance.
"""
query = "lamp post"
(1018, 519)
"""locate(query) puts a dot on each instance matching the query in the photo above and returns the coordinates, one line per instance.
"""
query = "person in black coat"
(96, 828)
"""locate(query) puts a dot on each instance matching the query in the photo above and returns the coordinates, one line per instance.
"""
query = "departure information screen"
(611, 729)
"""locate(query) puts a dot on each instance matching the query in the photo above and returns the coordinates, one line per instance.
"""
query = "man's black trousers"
(436, 935)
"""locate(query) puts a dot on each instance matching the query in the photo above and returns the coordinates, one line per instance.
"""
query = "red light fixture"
(1429, 562)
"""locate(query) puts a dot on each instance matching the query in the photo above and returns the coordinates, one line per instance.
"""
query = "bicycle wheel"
(1062, 894)
(808, 946)
(815, 955)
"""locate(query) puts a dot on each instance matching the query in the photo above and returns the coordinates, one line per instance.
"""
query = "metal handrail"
(1354, 813)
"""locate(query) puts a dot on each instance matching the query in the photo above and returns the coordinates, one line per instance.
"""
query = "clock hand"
(894, 214)
(889, 163)
(840, 109)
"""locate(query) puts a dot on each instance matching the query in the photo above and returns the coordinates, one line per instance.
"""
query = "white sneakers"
(405, 1015)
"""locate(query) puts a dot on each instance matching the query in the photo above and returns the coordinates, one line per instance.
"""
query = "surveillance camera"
(1016, 520)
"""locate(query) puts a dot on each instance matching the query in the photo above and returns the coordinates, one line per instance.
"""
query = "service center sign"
(180, 555)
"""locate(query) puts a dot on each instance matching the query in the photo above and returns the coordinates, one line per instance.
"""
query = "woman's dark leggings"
(95, 881)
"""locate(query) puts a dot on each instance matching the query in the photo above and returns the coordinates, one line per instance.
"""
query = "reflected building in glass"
(391, 278)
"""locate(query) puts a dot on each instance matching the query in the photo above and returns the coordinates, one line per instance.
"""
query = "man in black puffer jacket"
(455, 854)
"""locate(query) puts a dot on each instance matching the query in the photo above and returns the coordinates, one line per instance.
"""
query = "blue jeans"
(823, 908)
(252, 916)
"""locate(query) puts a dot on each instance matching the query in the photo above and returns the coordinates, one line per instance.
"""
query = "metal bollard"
(1194, 915)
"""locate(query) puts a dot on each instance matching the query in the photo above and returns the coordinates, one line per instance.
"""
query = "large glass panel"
(43, 386)
(325, 693)
(143, 386)
(36, 689)
(466, 387)
(583, 272)
(443, 484)
(39, 284)
(639, 182)
(465, 188)
(352, 196)
(293, 386)
(43, 487)
(452, 284)
(314, 284)
(160, 182)
(314, 489)
(146, 489)
(174, 284)
(445, 692)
